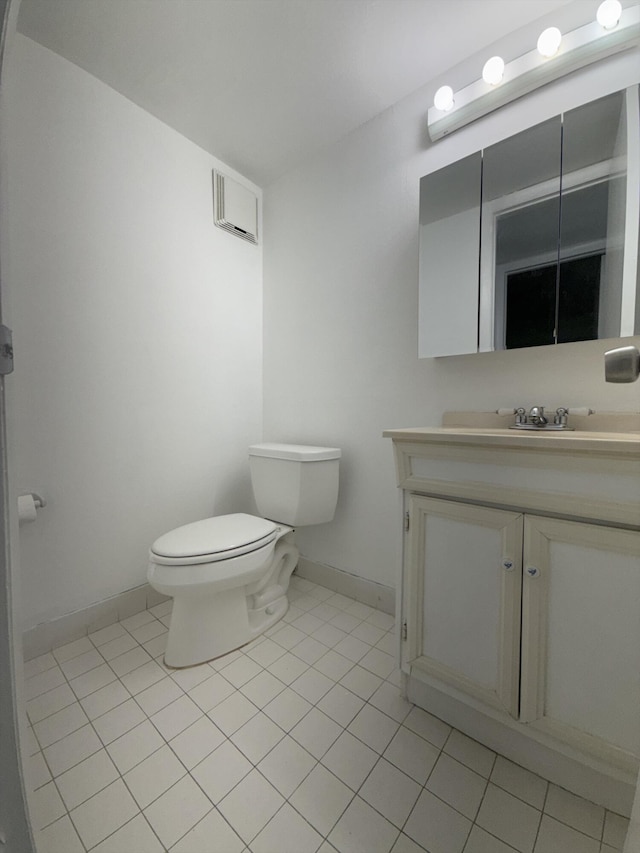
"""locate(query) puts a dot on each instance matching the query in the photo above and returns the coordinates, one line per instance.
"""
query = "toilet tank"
(295, 484)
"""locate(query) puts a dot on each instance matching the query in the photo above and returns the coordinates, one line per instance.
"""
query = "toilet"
(228, 575)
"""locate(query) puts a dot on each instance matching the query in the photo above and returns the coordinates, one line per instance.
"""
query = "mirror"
(534, 240)
(520, 224)
(449, 249)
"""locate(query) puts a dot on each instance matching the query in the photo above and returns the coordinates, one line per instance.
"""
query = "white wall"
(137, 331)
(341, 273)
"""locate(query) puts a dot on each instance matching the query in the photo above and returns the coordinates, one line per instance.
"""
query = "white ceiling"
(261, 84)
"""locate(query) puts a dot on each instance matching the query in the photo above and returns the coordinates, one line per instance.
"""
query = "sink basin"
(545, 428)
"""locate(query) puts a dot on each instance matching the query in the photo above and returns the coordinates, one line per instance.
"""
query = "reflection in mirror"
(520, 224)
(449, 250)
(594, 149)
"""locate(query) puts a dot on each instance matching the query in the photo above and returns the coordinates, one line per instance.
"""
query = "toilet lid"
(218, 538)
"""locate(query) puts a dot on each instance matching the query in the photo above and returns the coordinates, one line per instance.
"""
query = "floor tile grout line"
(121, 777)
(477, 812)
(357, 793)
(501, 840)
(522, 800)
(486, 783)
(354, 795)
(90, 721)
(255, 767)
(317, 761)
(450, 805)
(312, 768)
(66, 814)
(111, 834)
(95, 793)
(424, 787)
(344, 728)
(539, 811)
(88, 636)
(486, 780)
(103, 746)
(213, 808)
(273, 817)
(380, 755)
(573, 828)
(564, 823)
(469, 831)
(78, 700)
(26, 663)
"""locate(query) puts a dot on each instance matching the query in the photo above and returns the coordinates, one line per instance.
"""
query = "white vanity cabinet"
(463, 605)
(520, 596)
(580, 667)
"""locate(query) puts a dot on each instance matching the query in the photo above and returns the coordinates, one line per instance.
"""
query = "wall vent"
(235, 208)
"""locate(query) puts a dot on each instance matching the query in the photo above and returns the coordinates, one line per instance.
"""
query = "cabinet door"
(581, 636)
(462, 600)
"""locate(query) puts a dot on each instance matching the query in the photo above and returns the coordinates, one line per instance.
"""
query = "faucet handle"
(521, 415)
(561, 416)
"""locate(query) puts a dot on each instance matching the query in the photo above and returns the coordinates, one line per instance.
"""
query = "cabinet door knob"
(508, 565)
(533, 572)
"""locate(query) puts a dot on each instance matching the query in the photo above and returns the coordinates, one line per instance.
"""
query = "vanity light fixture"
(493, 70)
(615, 30)
(608, 13)
(549, 42)
(443, 99)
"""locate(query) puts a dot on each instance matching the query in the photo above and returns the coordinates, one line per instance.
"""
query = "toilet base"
(195, 648)
(206, 627)
(263, 618)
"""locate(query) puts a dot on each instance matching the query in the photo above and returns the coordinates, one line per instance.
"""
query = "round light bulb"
(493, 70)
(549, 41)
(608, 14)
(443, 99)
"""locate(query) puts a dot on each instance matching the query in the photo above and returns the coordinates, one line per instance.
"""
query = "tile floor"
(296, 744)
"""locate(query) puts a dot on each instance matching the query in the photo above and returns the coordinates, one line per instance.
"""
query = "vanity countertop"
(549, 440)
(581, 473)
(609, 432)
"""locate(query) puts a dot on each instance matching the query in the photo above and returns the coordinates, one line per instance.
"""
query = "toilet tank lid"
(297, 452)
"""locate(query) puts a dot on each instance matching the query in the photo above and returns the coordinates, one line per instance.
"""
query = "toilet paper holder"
(38, 501)
(28, 504)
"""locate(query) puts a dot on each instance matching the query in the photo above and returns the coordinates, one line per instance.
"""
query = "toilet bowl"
(229, 575)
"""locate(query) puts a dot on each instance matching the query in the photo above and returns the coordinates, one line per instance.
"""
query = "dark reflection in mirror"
(555, 199)
(520, 232)
(592, 218)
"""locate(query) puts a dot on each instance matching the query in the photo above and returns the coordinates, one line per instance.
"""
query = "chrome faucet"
(536, 416)
(535, 419)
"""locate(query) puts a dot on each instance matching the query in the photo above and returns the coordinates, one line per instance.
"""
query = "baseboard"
(49, 635)
(72, 626)
(374, 594)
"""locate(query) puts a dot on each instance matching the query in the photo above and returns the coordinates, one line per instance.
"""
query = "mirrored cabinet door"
(593, 213)
(520, 232)
(449, 251)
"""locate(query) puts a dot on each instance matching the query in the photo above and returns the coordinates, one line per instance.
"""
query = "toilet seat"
(211, 540)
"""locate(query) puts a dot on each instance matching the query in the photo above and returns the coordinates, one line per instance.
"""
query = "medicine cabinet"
(534, 240)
